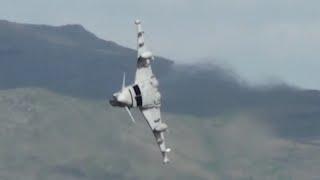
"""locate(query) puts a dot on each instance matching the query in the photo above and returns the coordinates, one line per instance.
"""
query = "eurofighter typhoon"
(144, 94)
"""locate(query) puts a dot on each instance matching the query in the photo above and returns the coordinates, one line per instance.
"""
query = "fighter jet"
(144, 94)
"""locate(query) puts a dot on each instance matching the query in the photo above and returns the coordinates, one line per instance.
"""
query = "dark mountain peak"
(43, 55)
(28, 37)
(21, 36)
(4, 21)
(75, 31)
(5, 24)
(74, 35)
(73, 27)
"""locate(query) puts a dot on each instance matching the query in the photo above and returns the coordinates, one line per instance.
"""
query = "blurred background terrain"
(56, 122)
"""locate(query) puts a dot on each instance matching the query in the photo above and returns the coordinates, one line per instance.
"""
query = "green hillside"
(49, 136)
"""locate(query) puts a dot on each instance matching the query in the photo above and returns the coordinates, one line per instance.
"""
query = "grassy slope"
(45, 135)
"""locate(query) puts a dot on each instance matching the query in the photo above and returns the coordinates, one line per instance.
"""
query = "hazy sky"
(260, 39)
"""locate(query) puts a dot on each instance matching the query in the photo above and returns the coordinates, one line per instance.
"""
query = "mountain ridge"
(72, 61)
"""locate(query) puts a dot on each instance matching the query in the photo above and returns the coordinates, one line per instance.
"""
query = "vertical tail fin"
(144, 56)
(140, 34)
(143, 51)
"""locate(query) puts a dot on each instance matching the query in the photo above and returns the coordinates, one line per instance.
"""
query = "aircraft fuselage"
(143, 95)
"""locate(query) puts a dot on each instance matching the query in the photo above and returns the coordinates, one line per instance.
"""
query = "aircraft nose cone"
(113, 101)
(122, 98)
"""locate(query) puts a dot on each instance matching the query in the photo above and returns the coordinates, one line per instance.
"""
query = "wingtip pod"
(137, 22)
(166, 160)
(139, 27)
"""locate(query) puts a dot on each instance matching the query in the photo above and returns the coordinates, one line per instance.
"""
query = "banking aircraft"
(144, 94)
